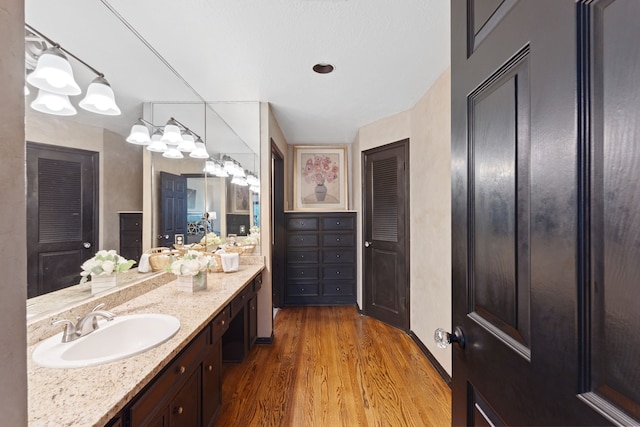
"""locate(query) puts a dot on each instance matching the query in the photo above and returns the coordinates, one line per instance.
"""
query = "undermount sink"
(122, 337)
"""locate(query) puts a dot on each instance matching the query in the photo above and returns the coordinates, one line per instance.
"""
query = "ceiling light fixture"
(53, 74)
(323, 68)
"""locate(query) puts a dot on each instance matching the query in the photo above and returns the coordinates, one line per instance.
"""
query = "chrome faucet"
(86, 324)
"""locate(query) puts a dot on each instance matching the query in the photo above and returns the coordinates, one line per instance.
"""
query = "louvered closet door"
(386, 234)
(61, 215)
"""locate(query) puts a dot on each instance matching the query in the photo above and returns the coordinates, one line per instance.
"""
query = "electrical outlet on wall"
(179, 239)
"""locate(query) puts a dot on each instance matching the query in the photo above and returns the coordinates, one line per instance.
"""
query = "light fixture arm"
(57, 45)
(185, 128)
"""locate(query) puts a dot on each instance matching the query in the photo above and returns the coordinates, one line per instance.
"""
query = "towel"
(230, 262)
(143, 265)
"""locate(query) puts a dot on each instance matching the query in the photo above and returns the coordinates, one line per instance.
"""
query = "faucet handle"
(70, 332)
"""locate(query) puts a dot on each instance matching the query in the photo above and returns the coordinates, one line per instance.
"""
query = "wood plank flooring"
(329, 366)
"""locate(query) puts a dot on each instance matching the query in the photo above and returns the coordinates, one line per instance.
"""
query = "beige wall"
(119, 165)
(269, 130)
(428, 127)
(13, 292)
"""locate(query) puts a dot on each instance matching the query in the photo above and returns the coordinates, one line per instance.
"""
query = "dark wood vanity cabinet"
(131, 235)
(321, 258)
(188, 392)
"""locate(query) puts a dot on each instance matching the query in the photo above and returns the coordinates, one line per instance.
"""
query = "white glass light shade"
(239, 171)
(200, 152)
(139, 135)
(100, 98)
(188, 143)
(238, 180)
(255, 188)
(172, 133)
(252, 180)
(173, 153)
(220, 172)
(53, 73)
(53, 103)
(209, 167)
(229, 166)
(157, 146)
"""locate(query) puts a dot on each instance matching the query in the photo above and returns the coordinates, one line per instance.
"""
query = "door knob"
(160, 236)
(444, 338)
(367, 244)
(87, 245)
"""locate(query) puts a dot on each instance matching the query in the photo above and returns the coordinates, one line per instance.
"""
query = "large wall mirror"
(126, 180)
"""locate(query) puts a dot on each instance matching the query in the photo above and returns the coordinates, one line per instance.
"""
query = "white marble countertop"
(91, 396)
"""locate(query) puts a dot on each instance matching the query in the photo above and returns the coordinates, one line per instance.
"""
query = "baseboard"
(434, 362)
(265, 340)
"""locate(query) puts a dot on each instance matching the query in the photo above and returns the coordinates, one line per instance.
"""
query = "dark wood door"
(546, 212)
(173, 215)
(386, 233)
(62, 215)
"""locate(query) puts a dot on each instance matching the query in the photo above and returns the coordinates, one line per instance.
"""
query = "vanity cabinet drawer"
(172, 378)
(299, 223)
(240, 300)
(339, 223)
(302, 240)
(184, 408)
(220, 324)
(257, 283)
(300, 257)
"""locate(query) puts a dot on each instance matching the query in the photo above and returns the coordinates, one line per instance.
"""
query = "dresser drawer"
(302, 272)
(239, 301)
(338, 272)
(338, 256)
(302, 223)
(338, 223)
(302, 257)
(301, 290)
(302, 240)
(338, 239)
(336, 288)
(131, 222)
(257, 283)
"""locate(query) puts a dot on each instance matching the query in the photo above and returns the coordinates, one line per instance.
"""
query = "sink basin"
(122, 337)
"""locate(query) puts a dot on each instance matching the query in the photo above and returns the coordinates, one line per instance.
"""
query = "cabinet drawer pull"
(337, 255)
(210, 368)
(337, 239)
(337, 222)
(222, 322)
(182, 370)
(179, 410)
(301, 256)
(337, 273)
(338, 289)
(301, 223)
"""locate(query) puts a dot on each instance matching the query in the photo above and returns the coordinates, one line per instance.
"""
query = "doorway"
(62, 215)
(278, 230)
(385, 223)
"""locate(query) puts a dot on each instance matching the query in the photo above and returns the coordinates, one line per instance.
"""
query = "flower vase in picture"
(102, 283)
(321, 191)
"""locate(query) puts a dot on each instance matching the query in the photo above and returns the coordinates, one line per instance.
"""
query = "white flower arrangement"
(191, 263)
(211, 239)
(254, 230)
(105, 263)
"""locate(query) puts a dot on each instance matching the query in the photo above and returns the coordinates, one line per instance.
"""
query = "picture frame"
(319, 178)
(239, 199)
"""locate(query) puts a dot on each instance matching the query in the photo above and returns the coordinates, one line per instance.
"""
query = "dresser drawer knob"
(222, 322)
(302, 273)
(301, 256)
(337, 255)
(182, 370)
(301, 223)
(337, 239)
(210, 368)
(338, 289)
(337, 222)
(337, 273)
(179, 410)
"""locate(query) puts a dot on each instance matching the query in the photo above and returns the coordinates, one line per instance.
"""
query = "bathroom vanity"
(175, 383)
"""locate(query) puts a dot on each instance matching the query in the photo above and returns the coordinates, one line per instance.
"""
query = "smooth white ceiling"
(386, 52)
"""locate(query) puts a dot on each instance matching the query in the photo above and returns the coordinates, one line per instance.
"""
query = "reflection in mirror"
(186, 214)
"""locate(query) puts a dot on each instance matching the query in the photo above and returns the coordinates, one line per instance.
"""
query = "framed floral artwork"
(239, 199)
(319, 178)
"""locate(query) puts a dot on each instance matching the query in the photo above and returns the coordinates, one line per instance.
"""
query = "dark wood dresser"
(131, 235)
(321, 258)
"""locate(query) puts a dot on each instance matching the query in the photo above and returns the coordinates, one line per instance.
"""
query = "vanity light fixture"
(188, 143)
(54, 75)
(173, 153)
(200, 152)
(171, 139)
(139, 135)
(172, 134)
(53, 103)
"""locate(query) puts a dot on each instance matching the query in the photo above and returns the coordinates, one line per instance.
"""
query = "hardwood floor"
(329, 366)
